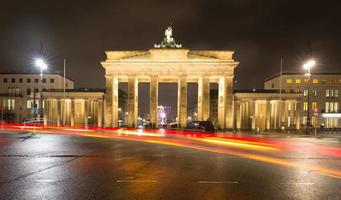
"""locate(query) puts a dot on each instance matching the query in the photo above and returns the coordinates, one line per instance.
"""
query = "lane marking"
(218, 182)
(136, 181)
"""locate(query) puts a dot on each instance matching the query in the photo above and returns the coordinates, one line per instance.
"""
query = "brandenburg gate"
(168, 62)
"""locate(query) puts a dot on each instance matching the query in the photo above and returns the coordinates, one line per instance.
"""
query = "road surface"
(74, 166)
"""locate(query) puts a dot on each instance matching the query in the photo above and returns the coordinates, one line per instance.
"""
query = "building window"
(44, 80)
(36, 80)
(315, 81)
(306, 81)
(52, 81)
(323, 81)
(305, 92)
(28, 92)
(20, 80)
(298, 81)
(10, 104)
(314, 105)
(326, 108)
(28, 80)
(5, 80)
(336, 106)
(305, 106)
(12, 80)
(314, 93)
(332, 107)
(29, 104)
(289, 81)
(16, 90)
(36, 90)
(332, 93)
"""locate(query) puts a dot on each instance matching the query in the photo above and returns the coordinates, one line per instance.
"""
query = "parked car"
(205, 126)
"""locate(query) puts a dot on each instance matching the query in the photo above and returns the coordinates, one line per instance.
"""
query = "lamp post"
(40, 63)
(307, 66)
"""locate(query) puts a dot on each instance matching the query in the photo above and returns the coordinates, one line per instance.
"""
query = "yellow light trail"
(238, 144)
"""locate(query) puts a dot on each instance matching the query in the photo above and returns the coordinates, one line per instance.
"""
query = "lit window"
(331, 106)
(331, 93)
(314, 105)
(306, 81)
(336, 106)
(315, 81)
(29, 104)
(327, 93)
(323, 81)
(314, 93)
(305, 106)
(336, 93)
(10, 104)
(298, 81)
(289, 81)
(327, 107)
(305, 92)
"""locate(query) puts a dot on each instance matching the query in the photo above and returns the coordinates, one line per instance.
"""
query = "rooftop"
(295, 73)
(34, 73)
(264, 91)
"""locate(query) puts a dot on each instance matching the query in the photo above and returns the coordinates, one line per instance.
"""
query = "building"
(323, 90)
(169, 62)
(75, 107)
(19, 92)
(267, 110)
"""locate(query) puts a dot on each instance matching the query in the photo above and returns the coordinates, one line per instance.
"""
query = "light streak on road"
(222, 145)
(237, 144)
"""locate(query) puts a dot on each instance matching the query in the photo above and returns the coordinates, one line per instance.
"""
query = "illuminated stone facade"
(74, 108)
(170, 65)
(267, 110)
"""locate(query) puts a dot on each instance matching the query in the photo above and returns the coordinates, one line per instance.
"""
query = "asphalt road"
(49, 166)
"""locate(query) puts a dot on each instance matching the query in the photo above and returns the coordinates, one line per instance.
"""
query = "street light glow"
(309, 64)
(41, 64)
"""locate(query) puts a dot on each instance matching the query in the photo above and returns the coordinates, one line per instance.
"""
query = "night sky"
(260, 33)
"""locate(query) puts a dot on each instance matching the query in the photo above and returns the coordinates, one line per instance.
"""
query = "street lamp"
(40, 63)
(307, 66)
